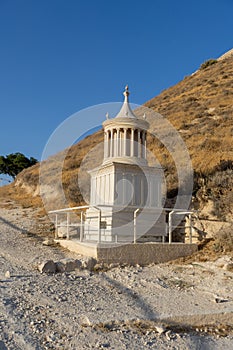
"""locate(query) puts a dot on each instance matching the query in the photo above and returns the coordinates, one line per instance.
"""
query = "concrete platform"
(130, 253)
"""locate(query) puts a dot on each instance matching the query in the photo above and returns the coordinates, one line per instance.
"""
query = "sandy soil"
(165, 306)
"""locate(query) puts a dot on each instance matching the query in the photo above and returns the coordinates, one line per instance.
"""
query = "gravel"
(165, 306)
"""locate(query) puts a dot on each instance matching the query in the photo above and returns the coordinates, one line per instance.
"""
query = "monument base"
(132, 254)
(118, 224)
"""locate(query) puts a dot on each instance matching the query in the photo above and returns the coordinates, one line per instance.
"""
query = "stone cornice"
(125, 123)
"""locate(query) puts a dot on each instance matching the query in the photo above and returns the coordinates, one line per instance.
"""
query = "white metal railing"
(69, 224)
(171, 212)
(170, 226)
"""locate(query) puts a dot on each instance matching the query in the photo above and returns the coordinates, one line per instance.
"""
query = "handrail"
(171, 211)
(69, 209)
(170, 226)
(181, 211)
(189, 213)
(135, 225)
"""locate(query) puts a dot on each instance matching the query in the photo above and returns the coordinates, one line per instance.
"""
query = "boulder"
(89, 264)
(68, 265)
(99, 266)
(48, 242)
(47, 266)
(228, 266)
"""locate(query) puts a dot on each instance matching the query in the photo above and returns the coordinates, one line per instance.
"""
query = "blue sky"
(60, 56)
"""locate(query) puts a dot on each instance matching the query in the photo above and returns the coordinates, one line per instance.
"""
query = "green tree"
(14, 163)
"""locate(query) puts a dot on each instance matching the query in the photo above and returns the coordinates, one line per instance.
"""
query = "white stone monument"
(126, 193)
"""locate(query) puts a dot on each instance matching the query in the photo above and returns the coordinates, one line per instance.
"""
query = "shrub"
(224, 240)
(208, 63)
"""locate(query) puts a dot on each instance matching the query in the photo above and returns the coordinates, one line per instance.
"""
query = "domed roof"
(126, 111)
(126, 117)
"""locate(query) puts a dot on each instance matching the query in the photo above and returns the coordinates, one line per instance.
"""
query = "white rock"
(219, 300)
(228, 266)
(99, 266)
(168, 335)
(51, 338)
(113, 265)
(84, 321)
(7, 274)
(48, 242)
(160, 329)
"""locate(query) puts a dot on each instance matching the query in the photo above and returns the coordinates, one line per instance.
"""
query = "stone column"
(132, 143)
(145, 146)
(114, 143)
(118, 142)
(143, 143)
(111, 143)
(142, 192)
(125, 141)
(134, 190)
(94, 193)
(139, 144)
(107, 144)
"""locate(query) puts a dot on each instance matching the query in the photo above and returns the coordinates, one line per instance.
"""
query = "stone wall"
(145, 253)
(139, 253)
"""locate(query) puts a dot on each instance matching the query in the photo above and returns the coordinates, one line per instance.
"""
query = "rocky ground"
(166, 306)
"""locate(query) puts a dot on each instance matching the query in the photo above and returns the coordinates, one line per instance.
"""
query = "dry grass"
(201, 105)
(224, 240)
(206, 252)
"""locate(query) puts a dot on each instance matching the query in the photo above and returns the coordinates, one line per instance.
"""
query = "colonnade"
(125, 142)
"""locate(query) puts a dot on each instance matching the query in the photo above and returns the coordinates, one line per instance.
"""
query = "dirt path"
(117, 309)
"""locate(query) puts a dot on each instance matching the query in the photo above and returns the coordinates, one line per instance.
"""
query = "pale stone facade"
(124, 183)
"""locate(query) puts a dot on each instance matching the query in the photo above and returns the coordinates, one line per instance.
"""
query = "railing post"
(56, 228)
(99, 219)
(81, 227)
(135, 225)
(190, 229)
(67, 226)
(170, 226)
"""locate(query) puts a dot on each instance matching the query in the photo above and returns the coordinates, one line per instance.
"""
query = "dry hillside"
(200, 107)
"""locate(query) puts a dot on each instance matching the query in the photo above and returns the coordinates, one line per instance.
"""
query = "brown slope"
(26, 188)
(200, 107)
